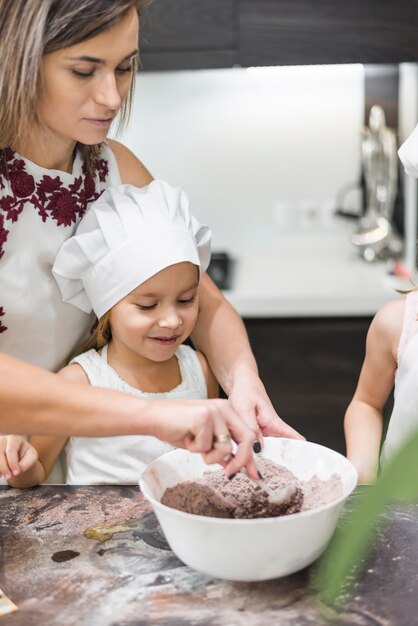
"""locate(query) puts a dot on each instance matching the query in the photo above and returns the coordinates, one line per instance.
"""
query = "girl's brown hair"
(31, 28)
(100, 335)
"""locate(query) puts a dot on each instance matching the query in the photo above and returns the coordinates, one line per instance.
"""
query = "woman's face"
(83, 86)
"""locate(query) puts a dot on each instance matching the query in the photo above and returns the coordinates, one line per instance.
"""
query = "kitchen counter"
(311, 273)
(87, 556)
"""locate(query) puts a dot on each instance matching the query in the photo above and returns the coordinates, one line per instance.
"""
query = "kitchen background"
(259, 150)
(256, 109)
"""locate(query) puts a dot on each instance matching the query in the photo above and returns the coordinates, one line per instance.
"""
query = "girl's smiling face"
(156, 317)
(83, 86)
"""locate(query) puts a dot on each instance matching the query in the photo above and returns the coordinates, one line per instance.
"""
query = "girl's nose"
(107, 93)
(170, 319)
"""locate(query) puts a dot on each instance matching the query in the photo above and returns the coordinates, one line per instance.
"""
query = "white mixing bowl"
(249, 550)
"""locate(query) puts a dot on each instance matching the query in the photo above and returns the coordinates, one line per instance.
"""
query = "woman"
(67, 71)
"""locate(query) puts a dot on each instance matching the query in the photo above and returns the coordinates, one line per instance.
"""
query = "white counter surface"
(309, 274)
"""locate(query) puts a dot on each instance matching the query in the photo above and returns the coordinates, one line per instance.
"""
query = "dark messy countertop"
(75, 556)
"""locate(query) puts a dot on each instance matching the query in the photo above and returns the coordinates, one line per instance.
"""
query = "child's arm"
(363, 418)
(211, 382)
(16, 455)
(47, 448)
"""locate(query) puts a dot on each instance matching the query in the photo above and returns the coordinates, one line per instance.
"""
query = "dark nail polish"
(260, 475)
(257, 447)
(232, 476)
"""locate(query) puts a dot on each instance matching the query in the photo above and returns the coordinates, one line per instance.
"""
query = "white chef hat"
(128, 235)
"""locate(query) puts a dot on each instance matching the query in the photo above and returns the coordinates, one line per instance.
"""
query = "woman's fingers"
(227, 427)
(243, 455)
(211, 431)
(221, 451)
(201, 431)
(208, 427)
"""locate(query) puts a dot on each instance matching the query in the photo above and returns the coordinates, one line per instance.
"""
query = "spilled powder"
(213, 495)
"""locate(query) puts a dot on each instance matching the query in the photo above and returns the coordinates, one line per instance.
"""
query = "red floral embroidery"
(48, 196)
(3, 235)
(2, 326)
(22, 184)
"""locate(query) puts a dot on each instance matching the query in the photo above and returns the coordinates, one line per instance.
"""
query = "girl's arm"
(16, 455)
(363, 418)
(211, 382)
(47, 448)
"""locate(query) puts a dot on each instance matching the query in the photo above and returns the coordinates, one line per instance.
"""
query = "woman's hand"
(16, 456)
(250, 400)
(208, 427)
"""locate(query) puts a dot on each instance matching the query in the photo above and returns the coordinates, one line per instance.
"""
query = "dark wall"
(310, 368)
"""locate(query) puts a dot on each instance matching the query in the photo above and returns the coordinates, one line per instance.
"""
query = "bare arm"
(132, 171)
(363, 418)
(35, 401)
(221, 335)
(83, 411)
(47, 448)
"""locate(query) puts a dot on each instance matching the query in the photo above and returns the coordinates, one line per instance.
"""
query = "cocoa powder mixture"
(214, 495)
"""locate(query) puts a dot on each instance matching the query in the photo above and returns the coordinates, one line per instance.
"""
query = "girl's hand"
(16, 456)
(208, 427)
(250, 400)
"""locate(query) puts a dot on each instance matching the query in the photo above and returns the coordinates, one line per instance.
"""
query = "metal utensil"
(372, 236)
(277, 496)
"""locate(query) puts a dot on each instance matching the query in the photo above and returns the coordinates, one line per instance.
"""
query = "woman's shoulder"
(131, 170)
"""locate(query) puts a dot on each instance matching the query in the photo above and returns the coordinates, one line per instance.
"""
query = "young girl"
(67, 74)
(136, 261)
(390, 361)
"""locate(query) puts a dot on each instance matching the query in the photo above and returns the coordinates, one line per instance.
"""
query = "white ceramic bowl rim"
(259, 520)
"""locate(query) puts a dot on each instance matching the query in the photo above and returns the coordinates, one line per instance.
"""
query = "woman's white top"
(404, 419)
(39, 210)
(121, 460)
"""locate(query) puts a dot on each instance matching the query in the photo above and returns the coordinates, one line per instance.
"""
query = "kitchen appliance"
(220, 269)
(374, 236)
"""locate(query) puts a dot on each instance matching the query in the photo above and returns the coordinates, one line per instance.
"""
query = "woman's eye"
(82, 74)
(125, 69)
(122, 69)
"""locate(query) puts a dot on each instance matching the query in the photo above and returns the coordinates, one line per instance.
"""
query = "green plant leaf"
(336, 572)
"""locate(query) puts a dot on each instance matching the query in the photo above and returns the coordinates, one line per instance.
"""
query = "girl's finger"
(29, 458)
(13, 447)
(4, 468)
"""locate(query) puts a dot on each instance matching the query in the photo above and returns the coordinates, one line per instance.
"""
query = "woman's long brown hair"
(31, 28)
